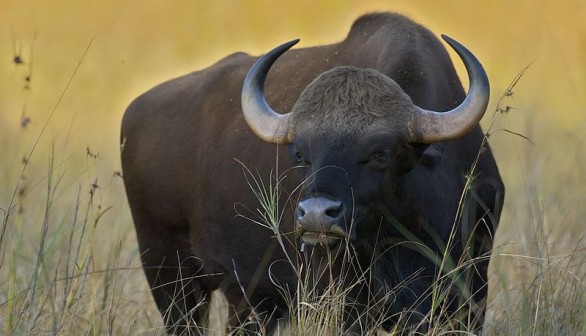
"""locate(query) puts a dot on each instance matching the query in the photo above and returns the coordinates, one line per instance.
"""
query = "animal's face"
(351, 148)
(346, 179)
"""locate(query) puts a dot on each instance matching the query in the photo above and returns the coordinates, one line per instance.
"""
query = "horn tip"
(292, 42)
(450, 40)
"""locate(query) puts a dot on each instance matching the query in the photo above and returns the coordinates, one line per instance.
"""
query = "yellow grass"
(87, 278)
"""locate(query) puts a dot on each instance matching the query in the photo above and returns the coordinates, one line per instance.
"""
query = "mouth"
(320, 239)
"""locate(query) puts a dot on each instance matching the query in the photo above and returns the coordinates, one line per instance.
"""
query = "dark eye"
(298, 157)
(380, 157)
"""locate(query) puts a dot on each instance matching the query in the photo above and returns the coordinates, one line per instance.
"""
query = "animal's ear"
(432, 155)
(405, 158)
(428, 155)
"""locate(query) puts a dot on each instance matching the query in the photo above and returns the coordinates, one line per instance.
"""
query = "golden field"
(69, 261)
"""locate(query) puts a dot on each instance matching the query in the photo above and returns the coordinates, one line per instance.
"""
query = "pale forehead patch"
(351, 100)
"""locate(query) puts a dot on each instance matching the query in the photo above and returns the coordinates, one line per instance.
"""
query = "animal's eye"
(380, 157)
(298, 157)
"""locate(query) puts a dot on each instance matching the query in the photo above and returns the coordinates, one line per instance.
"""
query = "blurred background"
(69, 68)
(137, 44)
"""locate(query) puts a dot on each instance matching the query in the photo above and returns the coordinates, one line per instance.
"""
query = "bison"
(384, 181)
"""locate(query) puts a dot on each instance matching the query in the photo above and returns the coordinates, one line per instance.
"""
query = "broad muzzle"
(320, 221)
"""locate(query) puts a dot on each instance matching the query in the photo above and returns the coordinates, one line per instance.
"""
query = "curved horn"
(431, 126)
(267, 124)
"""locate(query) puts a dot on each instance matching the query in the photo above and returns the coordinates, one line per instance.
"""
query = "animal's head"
(350, 132)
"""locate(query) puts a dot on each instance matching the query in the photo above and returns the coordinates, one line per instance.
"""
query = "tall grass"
(59, 278)
(65, 267)
(538, 269)
(324, 311)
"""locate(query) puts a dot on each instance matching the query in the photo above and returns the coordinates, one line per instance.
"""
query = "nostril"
(333, 212)
(300, 212)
